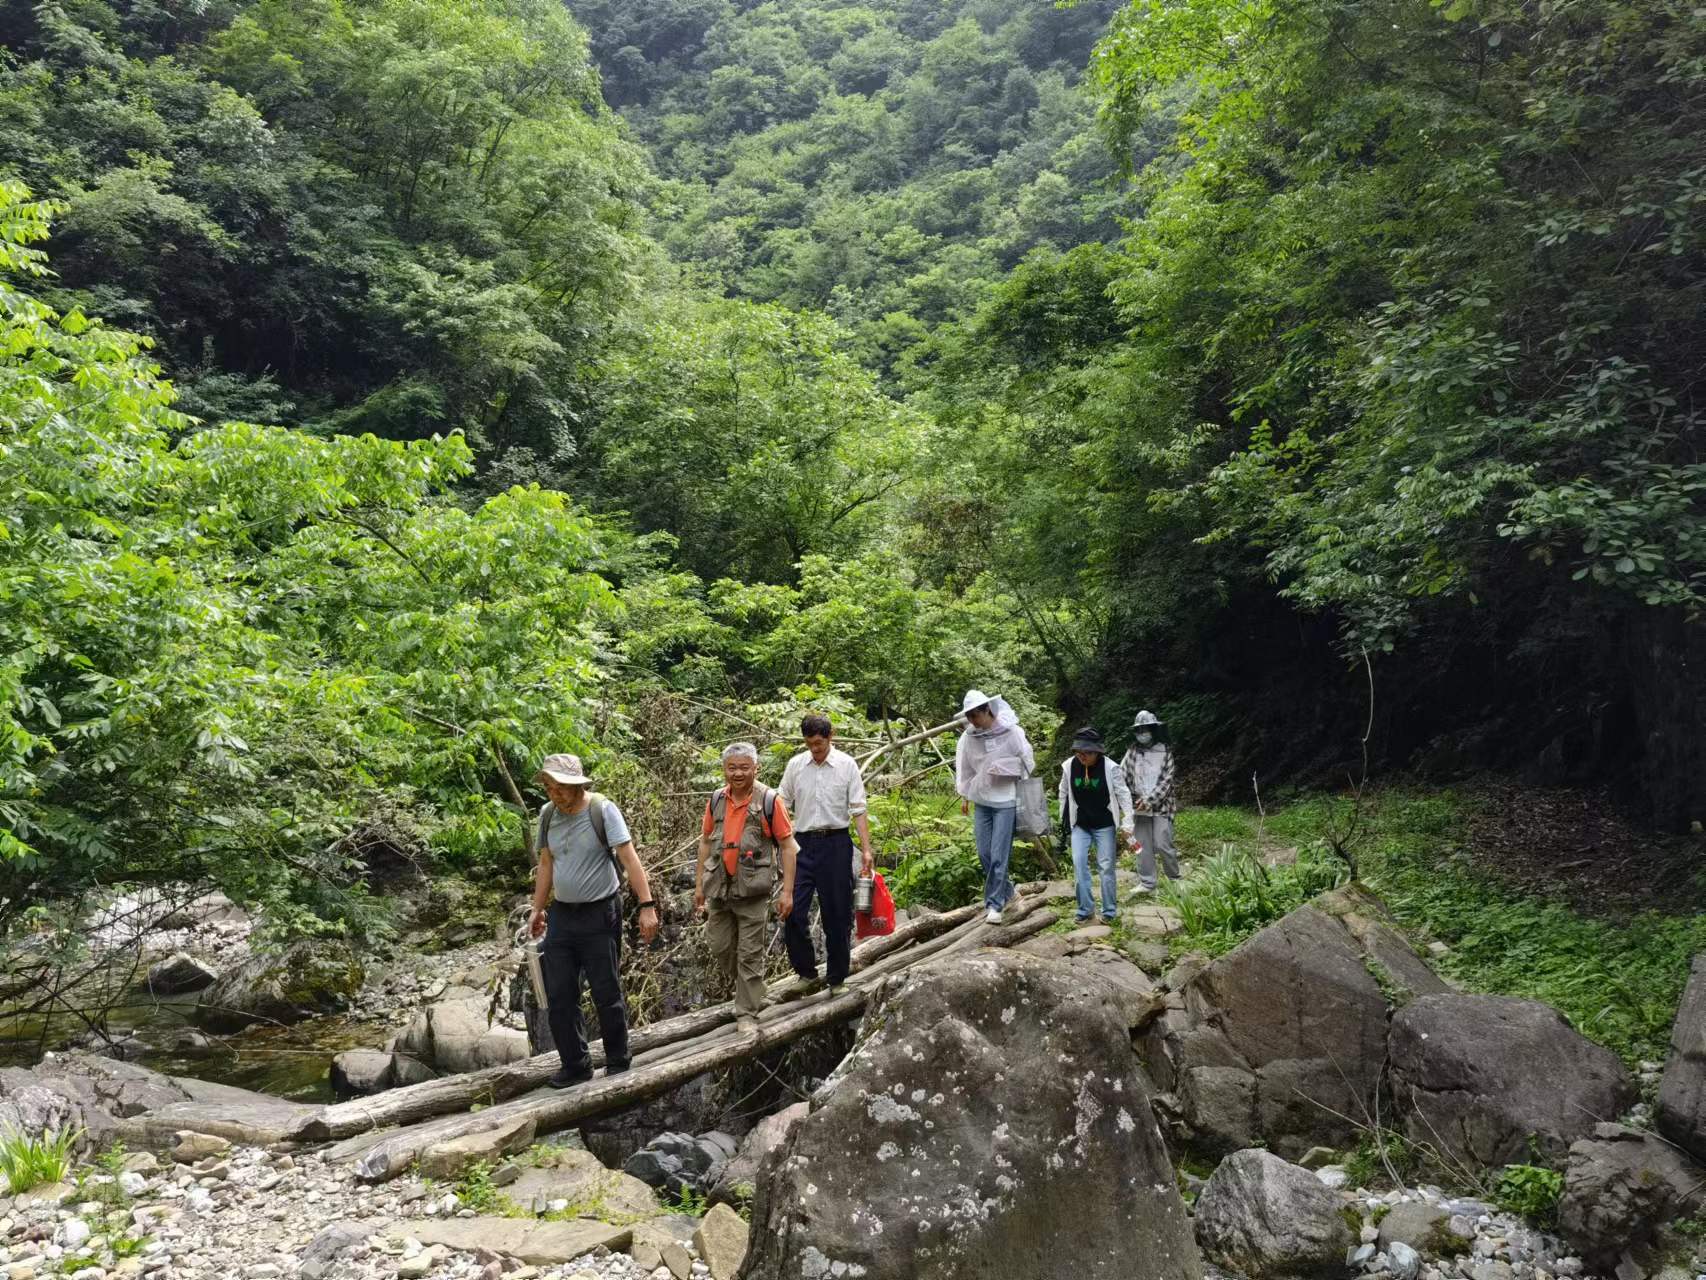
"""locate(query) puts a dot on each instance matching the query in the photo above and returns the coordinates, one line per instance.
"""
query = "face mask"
(1144, 738)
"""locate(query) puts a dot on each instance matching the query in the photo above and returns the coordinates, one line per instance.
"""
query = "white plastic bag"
(1031, 820)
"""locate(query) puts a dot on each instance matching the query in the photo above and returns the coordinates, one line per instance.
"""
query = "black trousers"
(824, 867)
(584, 939)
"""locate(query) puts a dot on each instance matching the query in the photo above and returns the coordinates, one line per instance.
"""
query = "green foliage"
(1379, 1155)
(690, 1202)
(36, 1160)
(476, 1191)
(1231, 894)
(1531, 1191)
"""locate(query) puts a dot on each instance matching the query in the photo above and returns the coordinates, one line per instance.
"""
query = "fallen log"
(416, 1102)
(673, 1065)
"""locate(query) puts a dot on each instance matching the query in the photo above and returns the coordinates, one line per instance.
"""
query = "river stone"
(579, 1178)
(180, 972)
(1299, 1012)
(362, 1071)
(447, 1159)
(991, 1099)
(191, 1147)
(1464, 1069)
(1681, 1114)
(678, 1260)
(1620, 1186)
(540, 1244)
(738, 1178)
(720, 1242)
(1262, 1217)
(310, 977)
(455, 1036)
(1421, 1226)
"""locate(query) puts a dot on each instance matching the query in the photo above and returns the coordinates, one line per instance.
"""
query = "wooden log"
(671, 1066)
(416, 1102)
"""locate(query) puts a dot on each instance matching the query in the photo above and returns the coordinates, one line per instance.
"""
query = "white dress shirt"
(822, 796)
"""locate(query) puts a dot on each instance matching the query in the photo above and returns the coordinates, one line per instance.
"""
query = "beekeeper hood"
(1004, 716)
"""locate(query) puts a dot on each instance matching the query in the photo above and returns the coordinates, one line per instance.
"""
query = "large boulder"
(308, 978)
(457, 1035)
(991, 1120)
(1262, 1217)
(1283, 1039)
(1681, 1113)
(178, 973)
(1488, 1080)
(1620, 1186)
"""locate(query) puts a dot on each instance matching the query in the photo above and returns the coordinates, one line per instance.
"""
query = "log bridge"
(385, 1134)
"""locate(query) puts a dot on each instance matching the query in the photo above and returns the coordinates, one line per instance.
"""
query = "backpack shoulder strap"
(544, 828)
(768, 808)
(595, 811)
(719, 803)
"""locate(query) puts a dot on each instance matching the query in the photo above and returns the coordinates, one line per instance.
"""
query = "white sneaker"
(993, 916)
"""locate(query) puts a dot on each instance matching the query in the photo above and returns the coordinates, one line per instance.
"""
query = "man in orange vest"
(732, 883)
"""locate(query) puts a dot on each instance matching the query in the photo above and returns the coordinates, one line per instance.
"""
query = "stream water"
(289, 1062)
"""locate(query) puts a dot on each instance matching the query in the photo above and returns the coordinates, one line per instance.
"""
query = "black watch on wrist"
(647, 903)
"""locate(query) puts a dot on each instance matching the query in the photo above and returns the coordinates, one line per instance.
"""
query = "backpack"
(720, 804)
(595, 810)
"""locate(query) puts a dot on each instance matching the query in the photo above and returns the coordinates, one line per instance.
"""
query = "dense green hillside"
(1324, 376)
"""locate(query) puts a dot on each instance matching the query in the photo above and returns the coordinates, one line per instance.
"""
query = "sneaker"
(616, 1068)
(993, 916)
(1083, 919)
(568, 1077)
(746, 1023)
(837, 989)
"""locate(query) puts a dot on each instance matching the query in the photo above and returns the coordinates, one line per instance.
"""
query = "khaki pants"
(734, 930)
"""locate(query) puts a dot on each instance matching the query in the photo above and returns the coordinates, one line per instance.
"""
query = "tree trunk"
(673, 1064)
(416, 1102)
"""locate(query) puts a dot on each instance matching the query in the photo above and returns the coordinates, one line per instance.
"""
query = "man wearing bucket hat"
(992, 755)
(1095, 807)
(577, 907)
(1148, 769)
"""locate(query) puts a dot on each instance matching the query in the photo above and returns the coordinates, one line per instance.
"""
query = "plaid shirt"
(1159, 799)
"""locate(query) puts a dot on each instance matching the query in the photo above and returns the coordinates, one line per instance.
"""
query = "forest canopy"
(395, 390)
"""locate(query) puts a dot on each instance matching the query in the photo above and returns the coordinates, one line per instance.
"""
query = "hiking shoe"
(1084, 919)
(616, 1068)
(568, 1077)
(837, 989)
(992, 916)
(746, 1023)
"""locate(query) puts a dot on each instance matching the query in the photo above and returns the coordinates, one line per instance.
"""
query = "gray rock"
(1264, 1218)
(449, 1158)
(310, 977)
(991, 1100)
(1682, 1090)
(1417, 1225)
(1406, 1262)
(721, 1241)
(738, 1178)
(1620, 1186)
(540, 1244)
(1464, 1069)
(362, 1071)
(180, 972)
(1284, 1037)
(455, 1035)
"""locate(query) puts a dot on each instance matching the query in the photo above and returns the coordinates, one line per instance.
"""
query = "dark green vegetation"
(635, 375)
(1617, 980)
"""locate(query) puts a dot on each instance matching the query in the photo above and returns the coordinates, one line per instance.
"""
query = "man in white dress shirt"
(825, 794)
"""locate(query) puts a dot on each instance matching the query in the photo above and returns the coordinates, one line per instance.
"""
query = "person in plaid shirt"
(1148, 769)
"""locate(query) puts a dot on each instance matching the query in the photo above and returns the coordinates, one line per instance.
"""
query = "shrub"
(1531, 1191)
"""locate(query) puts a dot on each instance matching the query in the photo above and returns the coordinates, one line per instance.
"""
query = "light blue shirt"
(581, 870)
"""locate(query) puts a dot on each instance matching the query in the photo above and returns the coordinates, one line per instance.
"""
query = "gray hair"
(742, 749)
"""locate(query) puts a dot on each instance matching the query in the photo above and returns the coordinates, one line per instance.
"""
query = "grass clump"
(1531, 1191)
(32, 1161)
(1230, 894)
(476, 1190)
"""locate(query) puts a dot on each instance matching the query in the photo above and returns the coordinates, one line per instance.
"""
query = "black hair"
(815, 726)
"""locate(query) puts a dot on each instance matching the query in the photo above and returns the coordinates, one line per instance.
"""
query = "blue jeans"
(994, 830)
(1104, 840)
